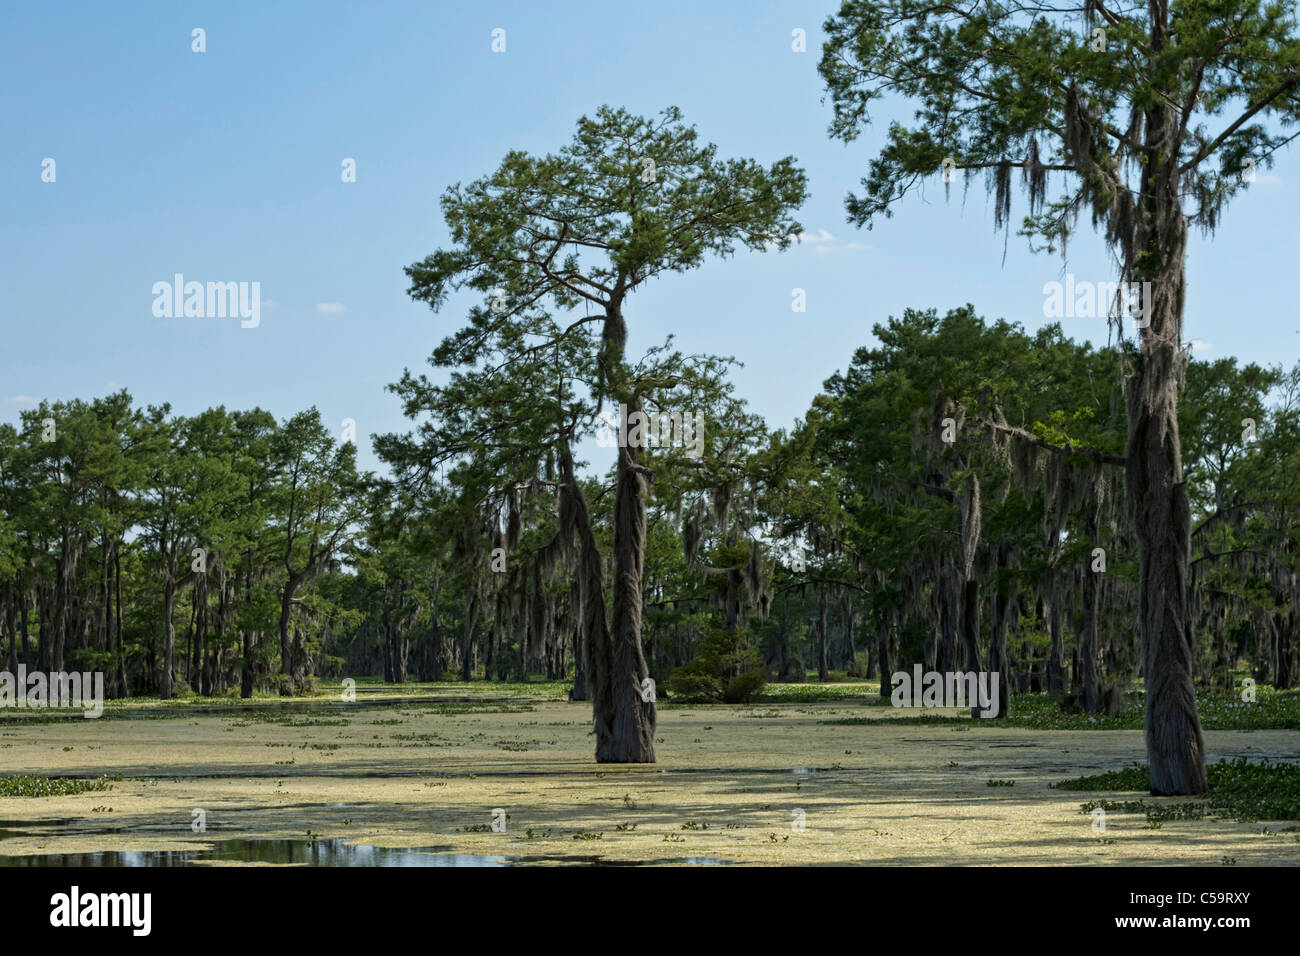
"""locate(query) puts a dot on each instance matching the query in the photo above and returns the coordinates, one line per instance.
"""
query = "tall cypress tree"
(1151, 117)
(629, 199)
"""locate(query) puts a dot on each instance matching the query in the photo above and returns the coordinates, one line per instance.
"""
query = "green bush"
(689, 684)
(726, 669)
(745, 686)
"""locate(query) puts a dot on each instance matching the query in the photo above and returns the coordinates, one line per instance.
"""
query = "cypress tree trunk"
(970, 624)
(731, 603)
(247, 671)
(1155, 488)
(783, 638)
(169, 629)
(1034, 674)
(1088, 662)
(823, 668)
(246, 667)
(1055, 623)
(10, 624)
(948, 603)
(884, 651)
(22, 618)
(852, 649)
(301, 664)
(579, 689)
(435, 639)
(211, 678)
(1287, 669)
(471, 616)
(45, 623)
(386, 642)
(198, 632)
(401, 649)
(66, 568)
(103, 641)
(999, 659)
(286, 649)
(122, 689)
(624, 722)
(494, 635)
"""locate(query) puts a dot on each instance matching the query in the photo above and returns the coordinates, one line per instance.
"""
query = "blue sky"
(225, 166)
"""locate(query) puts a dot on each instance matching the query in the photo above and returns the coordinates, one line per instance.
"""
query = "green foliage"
(1271, 711)
(815, 693)
(31, 785)
(991, 89)
(726, 669)
(1239, 790)
(189, 531)
(313, 567)
(1133, 777)
(564, 225)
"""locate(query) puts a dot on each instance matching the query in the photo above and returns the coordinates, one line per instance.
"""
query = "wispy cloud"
(821, 235)
(835, 247)
(20, 400)
(824, 243)
(331, 307)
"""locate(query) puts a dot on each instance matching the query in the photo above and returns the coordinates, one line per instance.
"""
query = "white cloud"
(835, 247)
(20, 400)
(821, 235)
(824, 243)
(1197, 345)
(331, 307)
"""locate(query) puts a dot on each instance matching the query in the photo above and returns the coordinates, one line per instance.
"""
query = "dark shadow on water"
(321, 852)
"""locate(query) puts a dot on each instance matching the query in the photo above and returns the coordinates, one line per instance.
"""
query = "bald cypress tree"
(1148, 116)
(629, 199)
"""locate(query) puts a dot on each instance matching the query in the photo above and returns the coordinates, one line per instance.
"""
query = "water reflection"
(321, 852)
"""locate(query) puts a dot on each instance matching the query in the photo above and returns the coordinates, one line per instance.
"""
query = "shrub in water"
(726, 669)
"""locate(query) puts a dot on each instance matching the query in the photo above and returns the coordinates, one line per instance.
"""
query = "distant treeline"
(955, 498)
